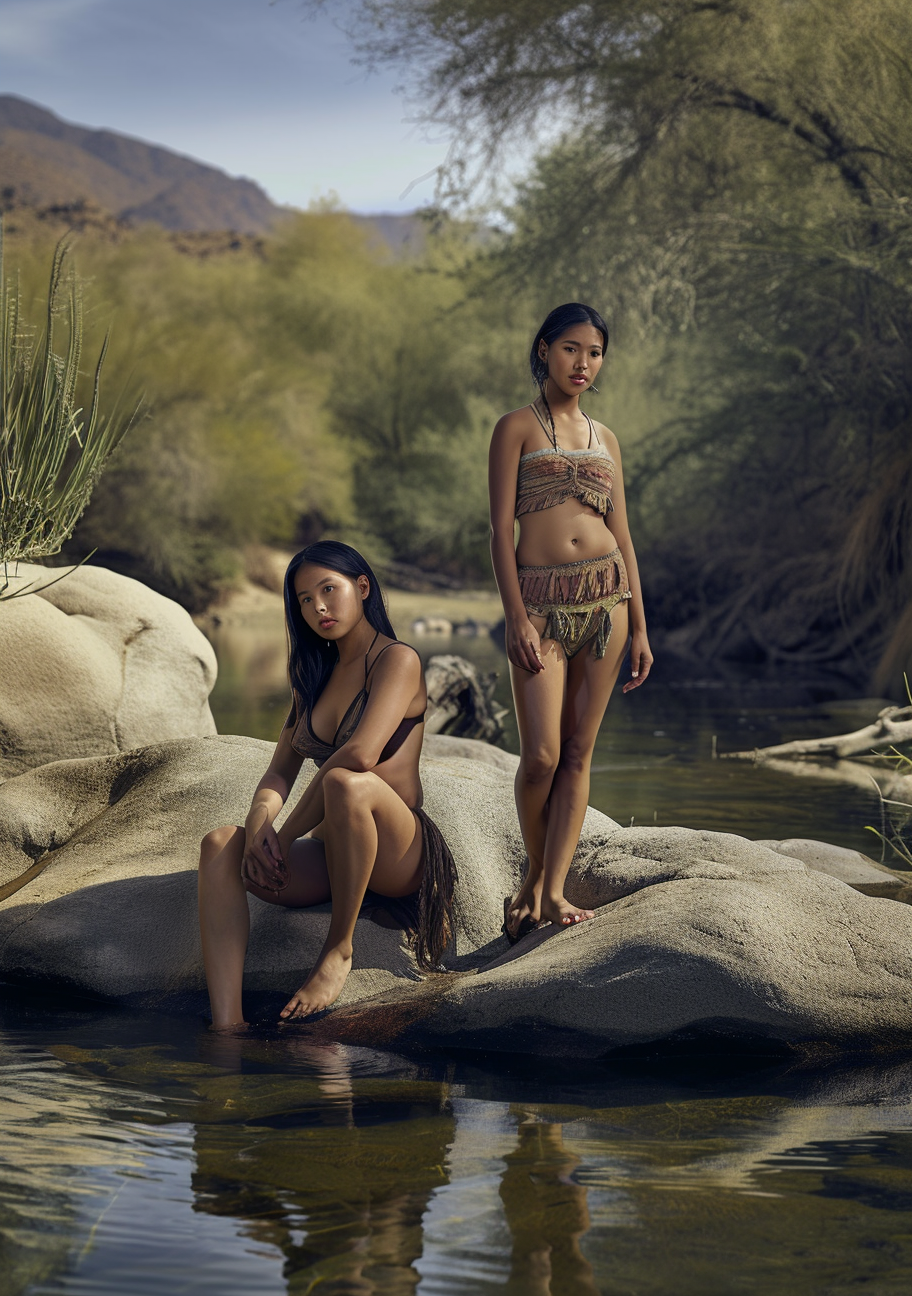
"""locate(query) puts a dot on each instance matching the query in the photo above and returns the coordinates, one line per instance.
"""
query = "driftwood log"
(825, 759)
(892, 727)
(460, 701)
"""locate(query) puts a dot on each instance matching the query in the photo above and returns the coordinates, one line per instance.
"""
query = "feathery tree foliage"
(314, 383)
(732, 181)
(52, 449)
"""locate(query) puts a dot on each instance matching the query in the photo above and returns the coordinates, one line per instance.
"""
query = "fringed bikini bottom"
(427, 914)
(576, 599)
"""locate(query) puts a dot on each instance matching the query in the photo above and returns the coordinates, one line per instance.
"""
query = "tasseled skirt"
(576, 599)
(427, 914)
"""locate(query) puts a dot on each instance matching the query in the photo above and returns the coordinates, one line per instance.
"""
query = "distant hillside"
(47, 162)
(74, 178)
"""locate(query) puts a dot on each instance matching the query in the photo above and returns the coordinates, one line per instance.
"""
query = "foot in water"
(322, 987)
(562, 913)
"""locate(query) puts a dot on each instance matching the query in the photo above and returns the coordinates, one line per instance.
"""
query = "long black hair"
(310, 657)
(558, 322)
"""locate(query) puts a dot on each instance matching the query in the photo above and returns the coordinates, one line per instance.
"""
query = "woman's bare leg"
(225, 916)
(224, 923)
(539, 701)
(370, 836)
(589, 685)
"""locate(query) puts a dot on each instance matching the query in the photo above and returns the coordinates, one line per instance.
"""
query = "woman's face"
(574, 358)
(331, 604)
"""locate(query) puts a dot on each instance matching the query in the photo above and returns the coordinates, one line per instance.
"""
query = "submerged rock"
(94, 665)
(695, 932)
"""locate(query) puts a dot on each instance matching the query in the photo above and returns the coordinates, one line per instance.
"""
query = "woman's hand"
(524, 645)
(641, 660)
(263, 862)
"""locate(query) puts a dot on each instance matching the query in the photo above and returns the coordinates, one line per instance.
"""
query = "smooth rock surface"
(95, 665)
(850, 866)
(694, 932)
(442, 746)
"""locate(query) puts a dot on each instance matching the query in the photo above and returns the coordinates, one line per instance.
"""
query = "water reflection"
(142, 1159)
(339, 1185)
(547, 1214)
(343, 1186)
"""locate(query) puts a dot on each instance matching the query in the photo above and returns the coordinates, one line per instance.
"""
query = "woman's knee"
(346, 786)
(538, 765)
(576, 755)
(215, 842)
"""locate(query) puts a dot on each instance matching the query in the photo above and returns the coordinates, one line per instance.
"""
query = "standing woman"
(571, 595)
(359, 821)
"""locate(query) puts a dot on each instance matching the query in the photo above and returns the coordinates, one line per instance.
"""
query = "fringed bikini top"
(306, 743)
(548, 477)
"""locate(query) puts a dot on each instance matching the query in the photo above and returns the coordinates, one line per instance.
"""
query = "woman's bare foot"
(520, 916)
(322, 987)
(562, 913)
(230, 1028)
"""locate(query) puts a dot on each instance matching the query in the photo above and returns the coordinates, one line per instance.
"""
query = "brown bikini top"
(306, 743)
(548, 477)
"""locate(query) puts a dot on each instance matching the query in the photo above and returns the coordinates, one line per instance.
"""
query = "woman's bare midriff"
(569, 532)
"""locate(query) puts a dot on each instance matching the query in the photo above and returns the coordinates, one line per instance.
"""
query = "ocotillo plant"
(52, 450)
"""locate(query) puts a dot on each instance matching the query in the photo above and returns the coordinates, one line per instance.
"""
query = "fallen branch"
(890, 729)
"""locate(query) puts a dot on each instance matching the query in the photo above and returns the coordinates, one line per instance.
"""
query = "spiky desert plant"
(52, 449)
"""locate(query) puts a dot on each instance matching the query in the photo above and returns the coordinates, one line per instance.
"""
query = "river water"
(140, 1154)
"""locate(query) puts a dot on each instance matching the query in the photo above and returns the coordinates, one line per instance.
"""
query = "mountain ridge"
(69, 173)
(47, 161)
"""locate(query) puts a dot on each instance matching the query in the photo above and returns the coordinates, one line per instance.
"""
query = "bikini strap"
(380, 654)
(592, 431)
(367, 670)
(552, 436)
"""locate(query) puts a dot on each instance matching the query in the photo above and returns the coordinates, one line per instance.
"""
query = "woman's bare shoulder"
(396, 657)
(516, 423)
(608, 439)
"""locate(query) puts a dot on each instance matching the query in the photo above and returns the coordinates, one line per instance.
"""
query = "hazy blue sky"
(250, 86)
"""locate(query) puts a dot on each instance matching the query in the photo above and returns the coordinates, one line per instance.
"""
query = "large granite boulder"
(696, 932)
(96, 664)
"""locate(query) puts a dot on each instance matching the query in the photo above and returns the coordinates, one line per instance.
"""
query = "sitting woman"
(359, 822)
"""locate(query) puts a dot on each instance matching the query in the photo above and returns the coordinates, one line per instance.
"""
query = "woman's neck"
(356, 643)
(560, 403)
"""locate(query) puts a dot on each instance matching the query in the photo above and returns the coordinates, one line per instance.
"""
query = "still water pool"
(140, 1154)
(143, 1155)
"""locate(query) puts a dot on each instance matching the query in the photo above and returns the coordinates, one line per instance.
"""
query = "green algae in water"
(142, 1155)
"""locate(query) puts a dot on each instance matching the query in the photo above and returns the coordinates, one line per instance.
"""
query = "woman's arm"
(523, 640)
(263, 862)
(395, 680)
(641, 658)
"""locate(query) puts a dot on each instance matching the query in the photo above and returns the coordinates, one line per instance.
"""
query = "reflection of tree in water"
(338, 1182)
(547, 1215)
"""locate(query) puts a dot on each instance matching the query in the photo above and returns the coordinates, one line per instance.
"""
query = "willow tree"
(733, 179)
(53, 448)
